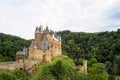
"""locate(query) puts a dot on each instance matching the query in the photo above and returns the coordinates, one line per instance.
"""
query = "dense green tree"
(102, 46)
(97, 72)
(65, 72)
(91, 62)
(62, 69)
(9, 45)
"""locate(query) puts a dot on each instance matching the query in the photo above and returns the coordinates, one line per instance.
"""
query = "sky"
(20, 17)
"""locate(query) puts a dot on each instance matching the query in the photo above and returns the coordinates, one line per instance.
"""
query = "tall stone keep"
(46, 45)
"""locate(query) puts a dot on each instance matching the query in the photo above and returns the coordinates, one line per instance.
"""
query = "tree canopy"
(9, 45)
(100, 47)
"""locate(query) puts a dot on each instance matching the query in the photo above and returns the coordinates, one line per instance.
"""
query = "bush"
(7, 76)
(65, 72)
(13, 75)
(45, 74)
(20, 75)
(61, 68)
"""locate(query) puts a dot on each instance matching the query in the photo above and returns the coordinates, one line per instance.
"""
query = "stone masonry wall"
(11, 65)
(26, 64)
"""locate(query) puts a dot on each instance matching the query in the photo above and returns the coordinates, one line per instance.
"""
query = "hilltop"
(101, 47)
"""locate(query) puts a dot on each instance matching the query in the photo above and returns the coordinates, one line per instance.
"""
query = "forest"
(101, 49)
(9, 45)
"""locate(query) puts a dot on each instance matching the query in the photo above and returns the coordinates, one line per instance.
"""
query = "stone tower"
(46, 45)
(20, 56)
(83, 68)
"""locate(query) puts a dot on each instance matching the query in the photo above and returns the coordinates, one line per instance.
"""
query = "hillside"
(9, 45)
(61, 68)
(97, 48)
(102, 47)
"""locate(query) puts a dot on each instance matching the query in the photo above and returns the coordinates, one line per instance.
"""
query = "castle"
(45, 46)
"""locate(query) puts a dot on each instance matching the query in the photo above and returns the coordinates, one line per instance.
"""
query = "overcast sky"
(20, 17)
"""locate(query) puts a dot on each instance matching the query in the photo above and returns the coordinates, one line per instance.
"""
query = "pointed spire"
(37, 30)
(47, 28)
(41, 29)
(25, 50)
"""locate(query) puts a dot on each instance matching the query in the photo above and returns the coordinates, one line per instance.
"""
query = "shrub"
(7, 76)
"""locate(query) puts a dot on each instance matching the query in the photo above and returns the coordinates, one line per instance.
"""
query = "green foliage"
(3, 59)
(117, 77)
(7, 76)
(103, 47)
(58, 69)
(97, 72)
(83, 76)
(117, 60)
(45, 74)
(78, 61)
(13, 75)
(20, 75)
(92, 61)
(9, 45)
(61, 68)
(108, 66)
(64, 72)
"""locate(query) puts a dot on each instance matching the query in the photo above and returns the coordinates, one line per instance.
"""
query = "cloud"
(20, 17)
